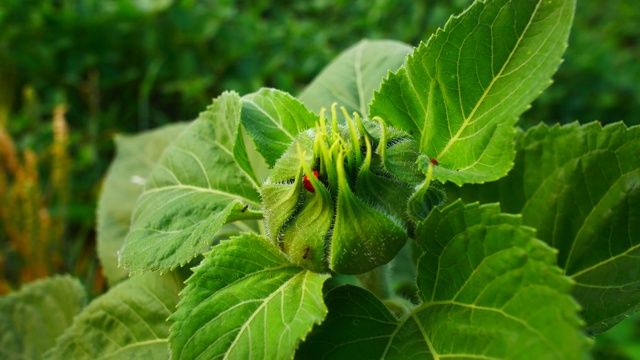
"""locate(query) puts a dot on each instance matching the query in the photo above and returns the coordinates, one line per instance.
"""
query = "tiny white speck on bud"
(138, 180)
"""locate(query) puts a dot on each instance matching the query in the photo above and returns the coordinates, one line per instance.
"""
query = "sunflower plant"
(393, 209)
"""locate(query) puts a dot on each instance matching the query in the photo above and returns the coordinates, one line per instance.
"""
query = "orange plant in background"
(33, 220)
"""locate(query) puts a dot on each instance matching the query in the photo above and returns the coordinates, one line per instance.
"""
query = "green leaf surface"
(358, 326)
(128, 322)
(194, 190)
(354, 75)
(136, 156)
(489, 290)
(461, 93)
(273, 118)
(579, 186)
(246, 300)
(248, 158)
(401, 271)
(32, 318)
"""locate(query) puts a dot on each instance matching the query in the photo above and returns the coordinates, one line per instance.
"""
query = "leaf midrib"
(268, 116)
(133, 346)
(587, 220)
(470, 306)
(551, 178)
(357, 68)
(574, 276)
(467, 121)
(262, 306)
(227, 310)
(201, 189)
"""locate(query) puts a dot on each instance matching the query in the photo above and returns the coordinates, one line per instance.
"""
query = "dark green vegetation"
(573, 187)
(123, 68)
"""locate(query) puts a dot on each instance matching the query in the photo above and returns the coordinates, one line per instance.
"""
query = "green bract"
(337, 199)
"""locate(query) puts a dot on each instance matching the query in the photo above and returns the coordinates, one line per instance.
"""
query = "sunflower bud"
(337, 198)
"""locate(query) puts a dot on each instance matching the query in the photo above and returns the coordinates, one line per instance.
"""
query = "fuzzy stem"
(376, 282)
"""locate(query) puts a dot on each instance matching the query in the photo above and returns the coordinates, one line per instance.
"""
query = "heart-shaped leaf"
(354, 75)
(128, 322)
(461, 92)
(273, 118)
(580, 187)
(246, 300)
(136, 156)
(192, 192)
(489, 290)
(358, 326)
(31, 319)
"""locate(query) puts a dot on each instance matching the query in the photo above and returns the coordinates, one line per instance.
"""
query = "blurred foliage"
(139, 65)
(131, 65)
(600, 78)
(621, 342)
(34, 194)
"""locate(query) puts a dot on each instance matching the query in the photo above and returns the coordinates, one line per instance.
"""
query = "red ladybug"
(307, 184)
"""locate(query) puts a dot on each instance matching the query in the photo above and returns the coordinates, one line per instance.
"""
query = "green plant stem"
(261, 228)
(376, 282)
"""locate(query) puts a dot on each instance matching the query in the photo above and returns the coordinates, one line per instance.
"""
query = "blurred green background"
(131, 65)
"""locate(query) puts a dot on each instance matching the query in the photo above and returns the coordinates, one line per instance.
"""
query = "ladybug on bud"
(307, 183)
(334, 176)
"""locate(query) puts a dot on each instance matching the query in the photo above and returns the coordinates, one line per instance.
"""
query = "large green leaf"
(32, 318)
(461, 92)
(194, 190)
(579, 186)
(489, 290)
(358, 326)
(246, 300)
(273, 118)
(128, 322)
(352, 77)
(135, 157)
